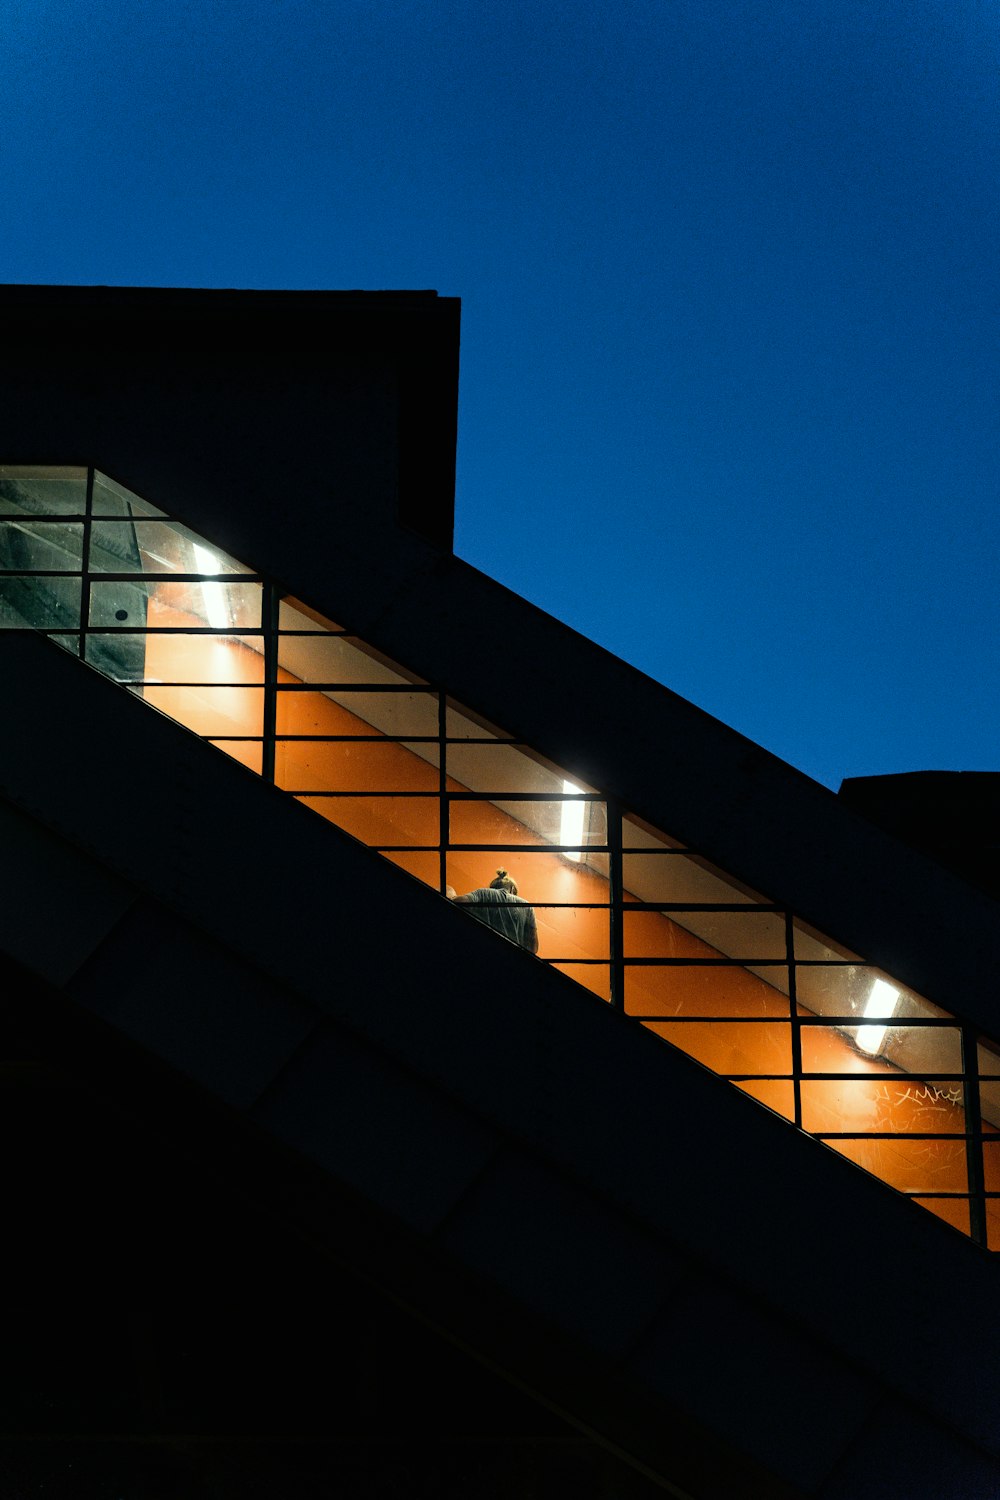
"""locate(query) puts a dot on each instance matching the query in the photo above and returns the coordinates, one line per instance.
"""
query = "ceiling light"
(571, 826)
(881, 1005)
(215, 599)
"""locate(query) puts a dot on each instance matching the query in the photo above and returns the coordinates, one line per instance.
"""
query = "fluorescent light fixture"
(881, 1005)
(215, 599)
(571, 826)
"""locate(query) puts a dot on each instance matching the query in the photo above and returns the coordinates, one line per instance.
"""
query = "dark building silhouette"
(313, 1184)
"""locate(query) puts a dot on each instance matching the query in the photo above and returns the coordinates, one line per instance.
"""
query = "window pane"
(423, 866)
(834, 991)
(954, 1211)
(510, 821)
(183, 658)
(704, 934)
(677, 877)
(812, 945)
(382, 820)
(399, 714)
(41, 603)
(156, 547)
(882, 1103)
(122, 657)
(772, 1092)
(40, 491)
(500, 767)
(677, 990)
(339, 659)
(595, 977)
(249, 753)
(55, 546)
(294, 615)
(639, 835)
(922, 1166)
(991, 1172)
(727, 1047)
(833, 1049)
(112, 499)
(463, 724)
(573, 932)
(339, 766)
(217, 606)
(210, 711)
(119, 605)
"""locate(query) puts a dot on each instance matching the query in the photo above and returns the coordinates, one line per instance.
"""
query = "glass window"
(500, 767)
(914, 1049)
(574, 822)
(749, 935)
(41, 546)
(40, 491)
(358, 741)
(180, 658)
(376, 821)
(726, 1047)
(210, 711)
(122, 657)
(120, 605)
(396, 713)
(673, 876)
(156, 547)
(883, 1103)
(358, 766)
(702, 990)
(338, 659)
(642, 836)
(294, 615)
(208, 605)
(462, 724)
(249, 753)
(595, 977)
(114, 500)
(40, 603)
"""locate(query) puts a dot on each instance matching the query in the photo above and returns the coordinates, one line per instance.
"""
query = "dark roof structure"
(314, 1183)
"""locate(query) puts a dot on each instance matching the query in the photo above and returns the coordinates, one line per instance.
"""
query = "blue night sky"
(730, 300)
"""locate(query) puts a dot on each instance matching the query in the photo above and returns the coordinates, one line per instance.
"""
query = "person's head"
(503, 882)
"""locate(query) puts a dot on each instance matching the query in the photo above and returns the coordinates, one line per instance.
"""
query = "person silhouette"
(500, 907)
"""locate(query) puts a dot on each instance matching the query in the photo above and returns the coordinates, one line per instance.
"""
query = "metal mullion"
(106, 575)
(933, 1023)
(508, 796)
(885, 1135)
(794, 1018)
(709, 963)
(389, 848)
(708, 906)
(88, 522)
(616, 900)
(928, 1079)
(336, 739)
(443, 810)
(746, 1021)
(326, 791)
(974, 1145)
(358, 687)
(235, 630)
(269, 623)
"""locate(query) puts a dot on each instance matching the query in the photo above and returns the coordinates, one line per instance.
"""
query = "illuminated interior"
(846, 1053)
